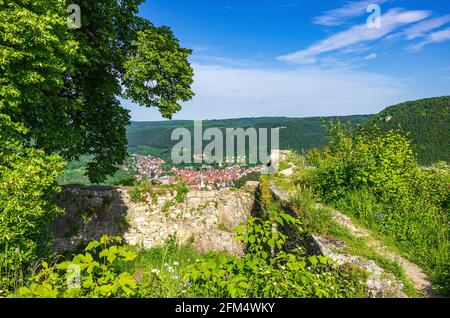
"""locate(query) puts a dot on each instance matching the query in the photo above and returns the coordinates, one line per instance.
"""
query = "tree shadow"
(89, 213)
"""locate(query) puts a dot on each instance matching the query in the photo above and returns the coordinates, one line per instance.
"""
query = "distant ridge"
(428, 123)
(299, 134)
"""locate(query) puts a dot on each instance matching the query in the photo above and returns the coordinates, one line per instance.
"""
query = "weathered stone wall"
(207, 219)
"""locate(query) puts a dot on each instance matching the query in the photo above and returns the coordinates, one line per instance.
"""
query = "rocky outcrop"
(379, 283)
(205, 219)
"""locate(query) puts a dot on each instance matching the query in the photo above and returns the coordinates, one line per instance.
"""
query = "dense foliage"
(268, 269)
(63, 84)
(94, 274)
(27, 181)
(428, 123)
(374, 177)
(59, 99)
(108, 269)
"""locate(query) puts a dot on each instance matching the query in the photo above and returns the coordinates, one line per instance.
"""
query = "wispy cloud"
(212, 60)
(422, 28)
(371, 56)
(391, 21)
(435, 37)
(224, 92)
(348, 11)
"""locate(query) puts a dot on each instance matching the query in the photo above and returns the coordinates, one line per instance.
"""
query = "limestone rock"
(205, 218)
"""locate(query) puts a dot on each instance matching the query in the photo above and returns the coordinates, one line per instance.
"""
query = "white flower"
(155, 271)
(176, 263)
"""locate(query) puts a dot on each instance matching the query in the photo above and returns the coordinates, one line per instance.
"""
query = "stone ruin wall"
(207, 219)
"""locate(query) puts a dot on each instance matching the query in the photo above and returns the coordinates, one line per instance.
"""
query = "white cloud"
(392, 20)
(219, 60)
(435, 37)
(234, 92)
(348, 11)
(440, 36)
(371, 56)
(227, 92)
(422, 28)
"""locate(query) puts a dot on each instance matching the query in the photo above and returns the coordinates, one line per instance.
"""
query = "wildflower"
(176, 263)
(155, 271)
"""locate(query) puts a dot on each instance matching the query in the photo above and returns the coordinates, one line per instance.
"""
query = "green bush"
(94, 274)
(267, 270)
(383, 162)
(182, 189)
(107, 269)
(138, 189)
(375, 177)
(27, 184)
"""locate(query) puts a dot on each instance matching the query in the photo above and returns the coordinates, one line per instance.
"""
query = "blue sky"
(301, 58)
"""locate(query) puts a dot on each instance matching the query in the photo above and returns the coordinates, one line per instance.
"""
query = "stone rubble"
(379, 284)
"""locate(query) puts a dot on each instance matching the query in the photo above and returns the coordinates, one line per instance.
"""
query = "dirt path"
(418, 278)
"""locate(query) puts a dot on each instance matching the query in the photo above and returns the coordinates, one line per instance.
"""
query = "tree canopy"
(60, 87)
(427, 121)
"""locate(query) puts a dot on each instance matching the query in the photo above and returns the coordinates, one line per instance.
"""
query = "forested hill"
(427, 121)
(299, 134)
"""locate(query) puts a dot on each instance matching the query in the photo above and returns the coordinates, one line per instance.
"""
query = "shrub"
(383, 162)
(138, 189)
(375, 177)
(182, 189)
(93, 274)
(267, 270)
(27, 184)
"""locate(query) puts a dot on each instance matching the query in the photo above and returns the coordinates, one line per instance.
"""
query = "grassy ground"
(319, 221)
(169, 264)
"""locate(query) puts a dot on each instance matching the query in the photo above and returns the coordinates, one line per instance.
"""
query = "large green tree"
(63, 85)
(59, 98)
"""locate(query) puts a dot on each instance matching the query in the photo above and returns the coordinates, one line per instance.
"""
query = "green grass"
(319, 221)
(170, 262)
(429, 247)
